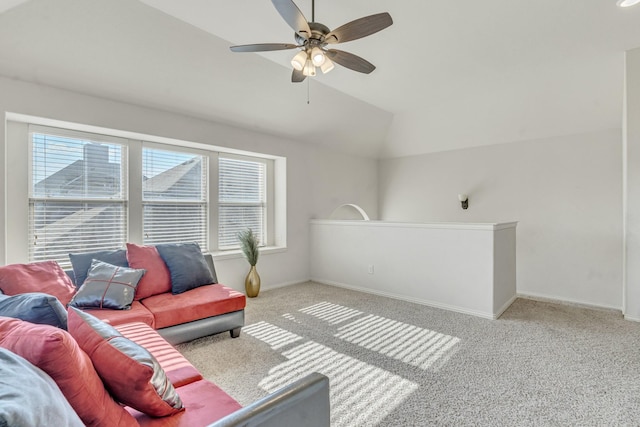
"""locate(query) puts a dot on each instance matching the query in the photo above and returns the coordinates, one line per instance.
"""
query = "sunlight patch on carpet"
(410, 344)
(361, 394)
(291, 317)
(274, 336)
(332, 313)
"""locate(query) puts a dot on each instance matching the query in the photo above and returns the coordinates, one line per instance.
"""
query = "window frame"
(17, 167)
(32, 198)
(207, 180)
(269, 208)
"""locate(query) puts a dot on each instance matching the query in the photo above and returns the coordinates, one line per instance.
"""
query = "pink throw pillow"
(46, 277)
(54, 351)
(157, 279)
(132, 375)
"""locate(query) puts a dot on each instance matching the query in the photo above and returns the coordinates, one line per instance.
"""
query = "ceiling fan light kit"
(299, 60)
(327, 65)
(309, 69)
(312, 39)
(317, 56)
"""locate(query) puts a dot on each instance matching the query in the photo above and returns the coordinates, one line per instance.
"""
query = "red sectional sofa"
(63, 362)
(34, 336)
(197, 312)
(202, 311)
(193, 389)
(202, 308)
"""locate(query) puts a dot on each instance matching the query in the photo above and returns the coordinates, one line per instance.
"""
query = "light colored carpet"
(394, 363)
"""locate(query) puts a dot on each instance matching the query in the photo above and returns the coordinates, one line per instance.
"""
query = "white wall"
(565, 193)
(632, 185)
(468, 268)
(317, 180)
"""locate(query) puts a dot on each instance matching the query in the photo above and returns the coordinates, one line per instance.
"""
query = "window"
(174, 197)
(241, 200)
(86, 192)
(77, 196)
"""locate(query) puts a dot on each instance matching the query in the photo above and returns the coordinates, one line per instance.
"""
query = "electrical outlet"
(370, 270)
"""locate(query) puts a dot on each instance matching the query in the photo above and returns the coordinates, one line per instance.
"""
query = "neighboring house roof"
(60, 179)
(167, 181)
(58, 221)
(171, 184)
(69, 180)
(53, 240)
(67, 226)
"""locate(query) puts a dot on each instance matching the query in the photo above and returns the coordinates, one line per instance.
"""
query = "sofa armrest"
(212, 267)
(302, 403)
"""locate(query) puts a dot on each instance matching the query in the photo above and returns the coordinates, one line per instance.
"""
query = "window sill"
(237, 253)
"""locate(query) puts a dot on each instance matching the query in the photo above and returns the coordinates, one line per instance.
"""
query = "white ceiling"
(451, 74)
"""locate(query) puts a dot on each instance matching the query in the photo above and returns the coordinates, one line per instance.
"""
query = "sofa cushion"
(46, 277)
(137, 313)
(187, 266)
(132, 375)
(30, 397)
(57, 353)
(157, 279)
(107, 286)
(199, 412)
(176, 366)
(34, 307)
(198, 303)
(81, 263)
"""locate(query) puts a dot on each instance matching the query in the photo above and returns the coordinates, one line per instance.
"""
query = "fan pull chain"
(308, 91)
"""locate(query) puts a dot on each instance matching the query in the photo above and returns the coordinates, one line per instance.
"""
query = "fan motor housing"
(318, 33)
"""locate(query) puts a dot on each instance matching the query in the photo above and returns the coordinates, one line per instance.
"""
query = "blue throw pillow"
(34, 307)
(82, 262)
(187, 266)
(30, 397)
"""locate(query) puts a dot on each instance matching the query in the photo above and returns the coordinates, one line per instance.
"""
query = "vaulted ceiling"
(450, 74)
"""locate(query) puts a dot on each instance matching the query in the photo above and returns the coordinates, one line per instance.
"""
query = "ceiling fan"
(312, 38)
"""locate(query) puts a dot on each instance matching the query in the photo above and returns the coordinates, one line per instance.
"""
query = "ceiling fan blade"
(292, 15)
(359, 28)
(262, 47)
(350, 61)
(297, 76)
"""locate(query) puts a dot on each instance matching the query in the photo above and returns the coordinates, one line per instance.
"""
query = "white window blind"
(77, 196)
(174, 197)
(241, 200)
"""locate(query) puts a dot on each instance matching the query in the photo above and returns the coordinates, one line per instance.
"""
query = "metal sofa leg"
(235, 333)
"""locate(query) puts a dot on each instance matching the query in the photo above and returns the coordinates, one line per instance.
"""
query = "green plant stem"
(249, 244)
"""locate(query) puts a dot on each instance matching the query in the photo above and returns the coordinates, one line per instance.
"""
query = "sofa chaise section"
(302, 403)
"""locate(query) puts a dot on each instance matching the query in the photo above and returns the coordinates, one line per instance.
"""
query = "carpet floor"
(395, 363)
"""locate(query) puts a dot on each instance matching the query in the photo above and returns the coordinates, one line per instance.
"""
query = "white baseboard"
(485, 315)
(504, 307)
(284, 284)
(482, 314)
(559, 300)
(632, 319)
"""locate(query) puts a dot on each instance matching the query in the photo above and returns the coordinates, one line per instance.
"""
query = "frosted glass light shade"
(327, 66)
(317, 56)
(627, 3)
(299, 60)
(309, 69)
